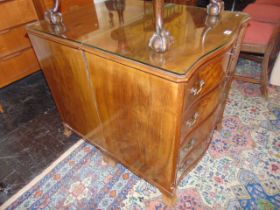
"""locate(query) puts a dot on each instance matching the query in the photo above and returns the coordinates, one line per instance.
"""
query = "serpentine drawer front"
(154, 113)
(205, 78)
(196, 138)
(200, 110)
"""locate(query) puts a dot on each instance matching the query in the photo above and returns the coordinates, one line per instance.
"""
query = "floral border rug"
(241, 169)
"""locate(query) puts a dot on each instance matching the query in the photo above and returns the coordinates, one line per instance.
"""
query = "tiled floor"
(31, 134)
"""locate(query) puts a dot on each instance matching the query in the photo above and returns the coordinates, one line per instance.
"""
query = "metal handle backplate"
(196, 91)
(190, 123)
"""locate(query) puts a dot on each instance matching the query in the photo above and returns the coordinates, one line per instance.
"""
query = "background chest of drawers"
(17, 58)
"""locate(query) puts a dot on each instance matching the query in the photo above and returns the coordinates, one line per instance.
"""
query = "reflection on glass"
(53, 16)
(58, 29)
(161, 40)
(124, 28)
(119, 7)
(210, 23)
(118, 34)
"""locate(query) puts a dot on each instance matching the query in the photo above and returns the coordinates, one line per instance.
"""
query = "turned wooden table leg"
(170, 201)
(1, 108)
(67, 131)
(108, 160)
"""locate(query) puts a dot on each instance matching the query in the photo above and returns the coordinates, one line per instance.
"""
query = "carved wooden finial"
(161, 39)
(215, 7)
(53, 15)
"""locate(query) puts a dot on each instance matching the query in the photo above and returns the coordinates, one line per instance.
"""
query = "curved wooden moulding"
(155, 122)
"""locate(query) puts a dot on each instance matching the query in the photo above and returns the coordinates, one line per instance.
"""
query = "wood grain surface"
(14, 13)
(154, 113)
(17, 65)
(13, 40)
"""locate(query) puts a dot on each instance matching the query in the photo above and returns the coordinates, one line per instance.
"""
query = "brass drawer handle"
(190, 123)
(196, 91)
(186, 164)
(189, 145)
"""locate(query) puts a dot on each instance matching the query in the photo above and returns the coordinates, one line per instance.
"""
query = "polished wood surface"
(195, 145)
(184, 2)
(154, 116)
(205, 78)
(130, 118)
(17, 58)
(122, 36)
(232, 62)
(68, 5)
(187, 49)
(16, 12)
(17, 65)
(71, 89)
(81, 27)
(65, 5)
(200, 110)
(13, 40)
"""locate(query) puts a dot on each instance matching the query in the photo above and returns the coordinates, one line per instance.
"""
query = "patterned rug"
(241, 169)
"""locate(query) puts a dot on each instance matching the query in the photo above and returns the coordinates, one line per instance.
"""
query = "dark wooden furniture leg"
(1, 108)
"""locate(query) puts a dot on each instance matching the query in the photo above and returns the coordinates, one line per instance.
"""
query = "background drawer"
(13, 40)
(17, 66)
(16, 12)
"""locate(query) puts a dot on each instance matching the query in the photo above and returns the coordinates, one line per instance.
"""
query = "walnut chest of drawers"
(154, 113)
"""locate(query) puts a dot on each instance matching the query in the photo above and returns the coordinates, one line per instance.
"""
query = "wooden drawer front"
(197, 136)
(197, 143)
(16, 12)
(13, 40)
(17, 66)
(193, 157)
(205, 78)
(200, 110)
